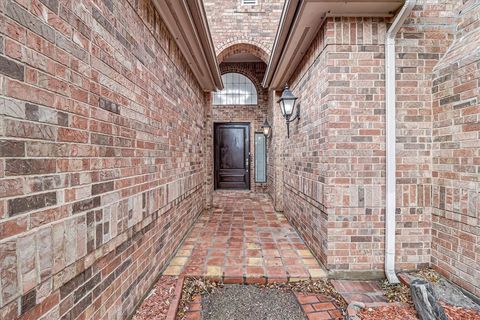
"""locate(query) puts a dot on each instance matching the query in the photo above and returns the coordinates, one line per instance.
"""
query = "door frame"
(215, 151)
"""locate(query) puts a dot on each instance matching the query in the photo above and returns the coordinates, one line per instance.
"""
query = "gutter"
(286, 21)
(186, 21)
(199, 15)
(390, 100)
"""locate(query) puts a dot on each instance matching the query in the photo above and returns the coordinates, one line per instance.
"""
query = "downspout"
(390, 99)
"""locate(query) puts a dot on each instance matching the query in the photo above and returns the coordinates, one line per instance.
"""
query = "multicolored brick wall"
(333, 165)
(456, 155)
(253, 114)
(300, 161)
(422, 41)
(232, 23)
(102, 166)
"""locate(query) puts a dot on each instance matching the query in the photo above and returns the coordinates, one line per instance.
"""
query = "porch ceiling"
(299, 24)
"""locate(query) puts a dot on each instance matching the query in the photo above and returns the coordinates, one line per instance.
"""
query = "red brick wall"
(299, 165)
(456, 156)
(102, 156)
(232, 23)
(333, 165)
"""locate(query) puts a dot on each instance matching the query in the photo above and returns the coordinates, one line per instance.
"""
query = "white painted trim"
(390, 101)
(187, 22)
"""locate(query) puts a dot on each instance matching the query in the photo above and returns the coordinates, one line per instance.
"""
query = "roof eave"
(286, 20)
(187, 22)
(293, 39)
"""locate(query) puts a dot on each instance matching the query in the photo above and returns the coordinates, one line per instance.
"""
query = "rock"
(453, 295)
(425, 301)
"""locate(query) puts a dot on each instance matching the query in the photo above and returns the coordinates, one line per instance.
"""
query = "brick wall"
(253, 114)
(425, 37)
(102, 156)
(299, 161)
(333, 165)
(233, 23)
(456, 155)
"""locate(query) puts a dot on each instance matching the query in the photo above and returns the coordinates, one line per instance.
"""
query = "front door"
(232, 154)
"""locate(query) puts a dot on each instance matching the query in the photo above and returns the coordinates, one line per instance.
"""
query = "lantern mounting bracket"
(289, 120)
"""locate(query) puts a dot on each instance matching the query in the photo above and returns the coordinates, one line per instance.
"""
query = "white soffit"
(300, 23)
(186, 20)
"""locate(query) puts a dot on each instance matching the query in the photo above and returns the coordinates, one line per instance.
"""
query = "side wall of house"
(102, 156)
(300, 162)
(334, 162)
(456, 156)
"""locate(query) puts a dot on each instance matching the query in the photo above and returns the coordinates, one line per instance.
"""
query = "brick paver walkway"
(318, 306)
(242, 239)
(360, 291)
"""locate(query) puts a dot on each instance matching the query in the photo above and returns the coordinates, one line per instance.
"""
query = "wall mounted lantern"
(287, 106)
(266, 128)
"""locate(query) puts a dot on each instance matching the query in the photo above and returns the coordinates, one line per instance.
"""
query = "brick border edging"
(318, 306)
(172, 310)
(259, 280)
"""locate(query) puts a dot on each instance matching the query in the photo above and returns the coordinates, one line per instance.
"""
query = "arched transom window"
(238, 90)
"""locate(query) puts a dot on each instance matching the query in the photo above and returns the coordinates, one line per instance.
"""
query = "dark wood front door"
(232, 155)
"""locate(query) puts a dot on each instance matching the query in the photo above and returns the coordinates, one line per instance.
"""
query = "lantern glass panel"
(288, 105)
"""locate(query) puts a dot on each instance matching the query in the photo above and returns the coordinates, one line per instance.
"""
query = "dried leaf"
(397, 292)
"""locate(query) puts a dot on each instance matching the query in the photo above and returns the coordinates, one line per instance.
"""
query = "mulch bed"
(409, 313)
(388, 313)
(156, 305)
(458, 313)
(401, 293)
(194, 287)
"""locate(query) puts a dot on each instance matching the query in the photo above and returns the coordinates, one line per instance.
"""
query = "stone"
(29, 166)
(86, 204)
(425, 301)
(51, 4)
(9, 148)
(12, 69)
(29, 300)
(29, 21)
(26, 252)
(8, 271)
(29, 203)
(108, 105)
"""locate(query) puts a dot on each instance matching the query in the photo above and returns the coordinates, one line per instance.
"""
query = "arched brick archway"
(242, 47)
(247, 72)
